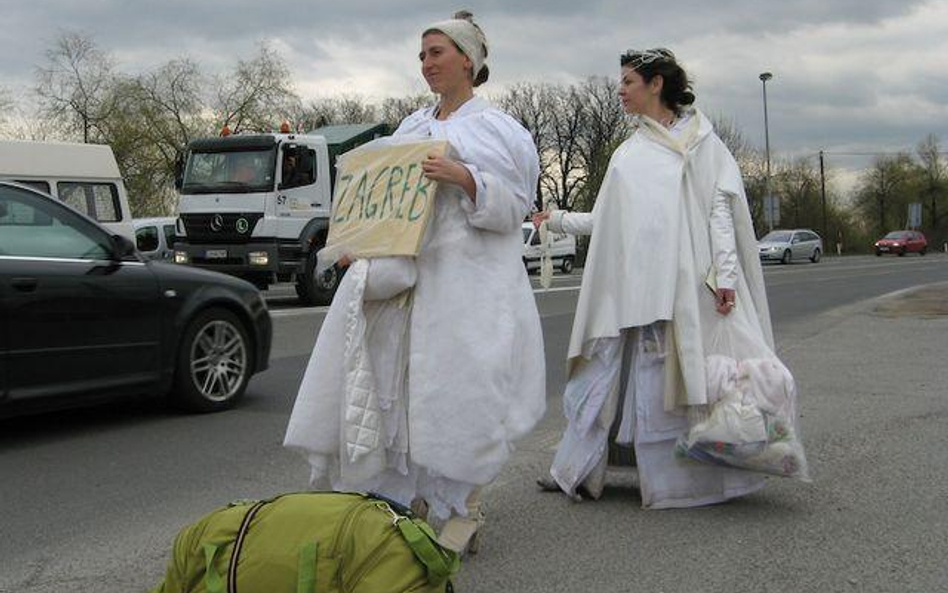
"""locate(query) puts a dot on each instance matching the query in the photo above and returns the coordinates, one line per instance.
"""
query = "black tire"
(317, 289)
(816, 256)
(923, 251)
(903, 252)
(787, 256)
(214, 362)
(567, 266)
(878, 253)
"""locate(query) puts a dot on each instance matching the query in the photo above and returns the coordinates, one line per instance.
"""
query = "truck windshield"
(234, 172)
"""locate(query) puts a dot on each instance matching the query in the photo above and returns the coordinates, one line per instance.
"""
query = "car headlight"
(180, 257)
(258, 258)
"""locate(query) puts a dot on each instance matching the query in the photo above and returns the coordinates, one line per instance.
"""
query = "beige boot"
(461, 534)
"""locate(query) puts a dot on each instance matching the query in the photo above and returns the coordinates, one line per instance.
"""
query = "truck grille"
(230, 227)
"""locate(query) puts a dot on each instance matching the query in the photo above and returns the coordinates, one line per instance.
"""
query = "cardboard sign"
(382, 200)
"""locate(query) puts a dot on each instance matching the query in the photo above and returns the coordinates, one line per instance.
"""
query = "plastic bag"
(752, 423)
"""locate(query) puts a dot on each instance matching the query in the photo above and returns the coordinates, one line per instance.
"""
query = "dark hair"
(676, 87)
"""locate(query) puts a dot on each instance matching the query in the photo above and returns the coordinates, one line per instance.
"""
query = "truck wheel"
(567, 266)
(214, 362)
(317, 289)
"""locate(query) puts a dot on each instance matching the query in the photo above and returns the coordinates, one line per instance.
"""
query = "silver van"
(562, 250)
(84, 176)
(154, 237)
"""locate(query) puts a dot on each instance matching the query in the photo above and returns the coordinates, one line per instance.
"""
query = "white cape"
(651, 216)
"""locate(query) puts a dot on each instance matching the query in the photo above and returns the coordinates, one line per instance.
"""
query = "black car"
(83, 317)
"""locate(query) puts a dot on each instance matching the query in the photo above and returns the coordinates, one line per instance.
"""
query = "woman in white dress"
(672, 254)
(427, 369)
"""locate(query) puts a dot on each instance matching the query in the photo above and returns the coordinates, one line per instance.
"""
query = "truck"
(83, 176)
(258, 206)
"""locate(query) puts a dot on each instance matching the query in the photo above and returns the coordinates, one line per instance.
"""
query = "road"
(93, 497)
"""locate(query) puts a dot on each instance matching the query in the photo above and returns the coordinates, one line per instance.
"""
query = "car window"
(895, 235)
(777, 236)
(39, 184)
(31, 226)
(98, 201)
(146, 238)
(299, 168)
(170, 234)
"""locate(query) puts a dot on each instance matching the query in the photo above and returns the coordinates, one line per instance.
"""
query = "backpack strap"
(213, 581)
(439, 562)
(306, 570)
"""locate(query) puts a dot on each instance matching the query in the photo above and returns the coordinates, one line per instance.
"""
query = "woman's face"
(638, 96)
(444, 67)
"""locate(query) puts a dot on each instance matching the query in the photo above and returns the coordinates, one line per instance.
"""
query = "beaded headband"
(636, 58)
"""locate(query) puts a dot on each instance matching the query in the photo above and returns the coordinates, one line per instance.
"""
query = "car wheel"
(878, 253)
(923, 251)
(214, 362)
(902, 253)
(317, 289)
(786, 257)
(567, 266)
(816, 256)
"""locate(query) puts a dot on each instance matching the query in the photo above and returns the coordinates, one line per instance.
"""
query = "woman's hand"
(541, 217)
(725, 300)
(443, 169)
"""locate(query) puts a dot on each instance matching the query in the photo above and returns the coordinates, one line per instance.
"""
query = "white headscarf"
(468, 36)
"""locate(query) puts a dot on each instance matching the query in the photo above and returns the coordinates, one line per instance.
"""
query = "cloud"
(847, 73)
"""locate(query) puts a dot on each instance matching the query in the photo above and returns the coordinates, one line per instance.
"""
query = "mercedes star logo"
(242, 225)
(217, 223)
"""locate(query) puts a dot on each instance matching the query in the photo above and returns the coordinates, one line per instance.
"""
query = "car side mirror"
(122, 247)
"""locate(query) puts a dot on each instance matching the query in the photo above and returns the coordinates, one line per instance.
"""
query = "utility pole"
(823, 194)
(768, 199)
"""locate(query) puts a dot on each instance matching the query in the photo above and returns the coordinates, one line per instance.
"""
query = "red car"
(902, 242)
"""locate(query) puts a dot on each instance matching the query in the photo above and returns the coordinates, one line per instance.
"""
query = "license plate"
(216, 254)
(883, 249)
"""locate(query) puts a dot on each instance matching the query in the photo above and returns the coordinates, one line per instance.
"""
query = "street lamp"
(768, 199)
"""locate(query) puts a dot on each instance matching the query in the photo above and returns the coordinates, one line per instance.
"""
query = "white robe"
(475, 376)
(671, 212)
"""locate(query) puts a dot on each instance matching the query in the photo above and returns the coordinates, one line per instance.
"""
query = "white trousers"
(623, 382)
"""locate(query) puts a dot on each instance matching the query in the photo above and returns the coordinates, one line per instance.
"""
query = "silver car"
(788, 245)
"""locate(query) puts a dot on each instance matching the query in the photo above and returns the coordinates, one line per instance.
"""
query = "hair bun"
(464, 15)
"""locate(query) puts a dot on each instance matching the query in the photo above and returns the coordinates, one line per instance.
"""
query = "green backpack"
(314, 542)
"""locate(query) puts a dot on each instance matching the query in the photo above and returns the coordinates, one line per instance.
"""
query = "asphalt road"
(93, 498)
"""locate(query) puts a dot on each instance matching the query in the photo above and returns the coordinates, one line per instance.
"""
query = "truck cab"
(258, 206)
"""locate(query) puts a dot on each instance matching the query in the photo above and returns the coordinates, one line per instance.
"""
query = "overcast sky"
(849, 75)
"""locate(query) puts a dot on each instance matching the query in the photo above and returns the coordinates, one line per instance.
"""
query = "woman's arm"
(723, 250)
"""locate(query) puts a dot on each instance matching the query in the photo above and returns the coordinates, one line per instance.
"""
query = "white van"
(562, 250)
(84, 176)
(155, 237)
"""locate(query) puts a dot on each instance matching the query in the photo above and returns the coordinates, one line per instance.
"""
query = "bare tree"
(934, 172)
(733, 137)
(394, 109)
(258, 95)
(6, 107)
(531, 104)
(606, 126)
(885, 190)
(566, 174)
(75, 84)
